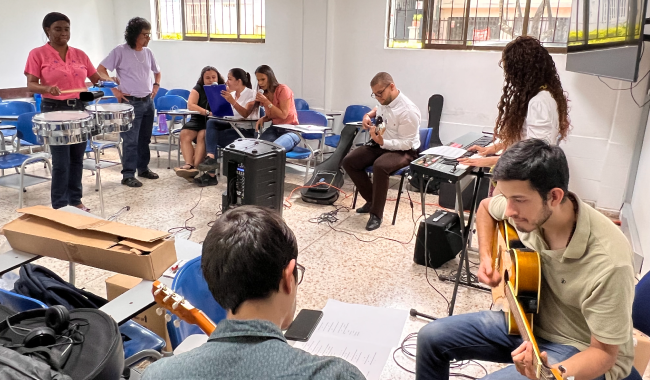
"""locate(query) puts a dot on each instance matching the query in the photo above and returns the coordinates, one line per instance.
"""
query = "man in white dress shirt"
(391, 148)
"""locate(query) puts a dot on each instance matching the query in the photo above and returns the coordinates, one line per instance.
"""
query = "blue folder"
(218, 105)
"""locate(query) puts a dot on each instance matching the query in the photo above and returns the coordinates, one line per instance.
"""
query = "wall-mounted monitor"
(606, 38)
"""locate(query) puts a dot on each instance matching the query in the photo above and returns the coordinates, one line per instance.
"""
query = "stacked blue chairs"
(140, 338)
(190, 284)
(425, 138)
(166, 103)
(301, 104)
(161, 92)
(353, 114)
(18, 161)
(185, 94)
(14, 108)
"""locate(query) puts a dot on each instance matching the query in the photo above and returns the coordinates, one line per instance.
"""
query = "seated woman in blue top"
(194, 130)
(241, 97)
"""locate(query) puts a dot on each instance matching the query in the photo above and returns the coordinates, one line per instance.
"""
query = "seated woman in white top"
(219, 134)
(533, 103)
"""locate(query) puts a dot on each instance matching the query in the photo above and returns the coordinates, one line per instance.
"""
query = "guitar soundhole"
(528, 303)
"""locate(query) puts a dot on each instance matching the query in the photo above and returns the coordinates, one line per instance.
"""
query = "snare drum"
(63, 127)
(112, 117)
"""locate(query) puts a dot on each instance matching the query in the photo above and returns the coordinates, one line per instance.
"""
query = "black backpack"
(46, 286)
(90, 348)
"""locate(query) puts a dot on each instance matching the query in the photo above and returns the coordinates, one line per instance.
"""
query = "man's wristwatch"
(157, 84)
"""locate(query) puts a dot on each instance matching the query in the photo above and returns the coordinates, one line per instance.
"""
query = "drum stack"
(74, 127)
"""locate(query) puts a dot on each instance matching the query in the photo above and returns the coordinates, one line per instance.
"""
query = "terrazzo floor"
(351, 265)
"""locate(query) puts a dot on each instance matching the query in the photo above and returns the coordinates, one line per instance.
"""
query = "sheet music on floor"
(445, 151)
(363, 335)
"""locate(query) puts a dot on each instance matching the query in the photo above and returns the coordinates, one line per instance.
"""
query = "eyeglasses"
(379, 94)
(146, 35)
(300, 273)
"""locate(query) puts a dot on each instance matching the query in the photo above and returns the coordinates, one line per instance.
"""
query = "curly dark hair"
(528, 69)
(133, 29)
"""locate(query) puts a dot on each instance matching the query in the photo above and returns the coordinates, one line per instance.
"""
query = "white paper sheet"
(445, 151)
(363, 335)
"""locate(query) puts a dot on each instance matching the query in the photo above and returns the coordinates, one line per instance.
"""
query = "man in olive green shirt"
(249, 262)
(584, 325)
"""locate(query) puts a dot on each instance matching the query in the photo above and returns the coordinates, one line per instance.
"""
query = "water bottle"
(162, 123)
(38, 98)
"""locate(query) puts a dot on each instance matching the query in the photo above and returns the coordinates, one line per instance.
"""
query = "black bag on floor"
(46, 286)
(88, 347)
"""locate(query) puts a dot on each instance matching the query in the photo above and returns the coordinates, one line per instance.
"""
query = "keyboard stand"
(467, 228)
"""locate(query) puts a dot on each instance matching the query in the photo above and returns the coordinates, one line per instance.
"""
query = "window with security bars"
(470, 24)
(597, 22)
(211, 20)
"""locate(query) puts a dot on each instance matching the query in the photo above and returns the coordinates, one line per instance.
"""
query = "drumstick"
(75, 90)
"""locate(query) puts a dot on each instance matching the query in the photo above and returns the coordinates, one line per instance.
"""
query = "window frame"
(426, 28)
(208, 38)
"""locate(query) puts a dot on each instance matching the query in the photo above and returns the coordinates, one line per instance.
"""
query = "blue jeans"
(135, 142)
(480, 336)
(67, 164)
(288, 140)
(219, 134)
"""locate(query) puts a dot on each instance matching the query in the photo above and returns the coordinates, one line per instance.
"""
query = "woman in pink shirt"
(51, 69)
(279, 107)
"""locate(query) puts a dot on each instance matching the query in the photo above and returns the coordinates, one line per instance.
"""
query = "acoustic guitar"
(181, 308)
(521, 272)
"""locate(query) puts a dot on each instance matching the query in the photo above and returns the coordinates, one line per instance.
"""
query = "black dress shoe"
(131, 182)
(148, 174)
(364, 209)
(373, 223)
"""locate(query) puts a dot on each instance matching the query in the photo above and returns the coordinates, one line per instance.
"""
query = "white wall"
(605, 122)
(640, 204)
(181, 61)
(91, 30)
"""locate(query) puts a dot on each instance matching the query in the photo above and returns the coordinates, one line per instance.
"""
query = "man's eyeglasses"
(379, 94)
(300, 273)
(146, 35)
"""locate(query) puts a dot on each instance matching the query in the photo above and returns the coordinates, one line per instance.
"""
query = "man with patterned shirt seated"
(249, 262)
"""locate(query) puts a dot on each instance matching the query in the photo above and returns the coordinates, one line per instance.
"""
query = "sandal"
(190, 172)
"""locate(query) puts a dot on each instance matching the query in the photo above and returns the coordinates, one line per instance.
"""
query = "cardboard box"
(641, 352)
(118, 284)
(112, 246)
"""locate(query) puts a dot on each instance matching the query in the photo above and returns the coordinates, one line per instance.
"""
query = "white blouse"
(542, 120)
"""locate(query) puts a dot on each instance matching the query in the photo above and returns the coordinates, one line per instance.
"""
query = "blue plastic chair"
(161, 92)
(301, 104)
(425, 138)
(15, 160)
(189, 283)
(15, 108)
(300, 153)
(166, 103)
(641, 305)
(185, 94)
(140, 338)
(353, 114)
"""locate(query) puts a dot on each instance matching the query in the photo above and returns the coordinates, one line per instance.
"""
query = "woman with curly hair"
(533, 103)
(139, 80)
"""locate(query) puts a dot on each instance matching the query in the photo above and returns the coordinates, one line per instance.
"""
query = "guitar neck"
(542, 371)
(205, 323)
